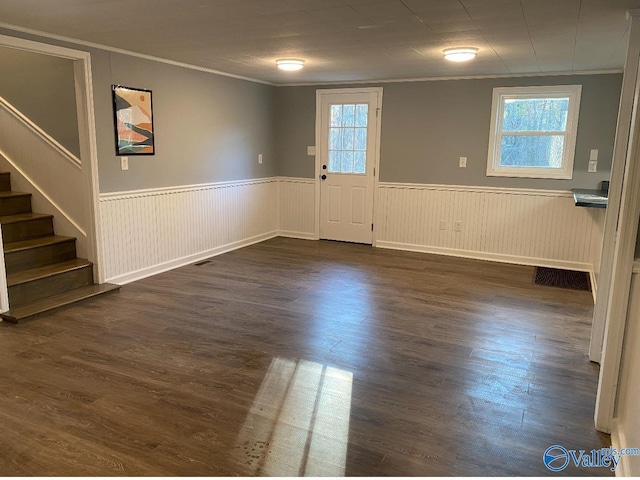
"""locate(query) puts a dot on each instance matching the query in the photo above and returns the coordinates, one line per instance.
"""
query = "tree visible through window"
(533, 131)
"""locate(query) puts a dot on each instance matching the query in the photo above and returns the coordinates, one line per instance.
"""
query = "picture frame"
(133, 121)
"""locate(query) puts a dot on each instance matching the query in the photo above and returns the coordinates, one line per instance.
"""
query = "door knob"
(323, 177)
(324, 167)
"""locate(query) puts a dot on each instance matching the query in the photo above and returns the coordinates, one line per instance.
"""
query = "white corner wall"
(296, 207)
(626, 430)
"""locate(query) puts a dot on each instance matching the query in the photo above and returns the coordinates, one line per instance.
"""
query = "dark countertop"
(590, 198)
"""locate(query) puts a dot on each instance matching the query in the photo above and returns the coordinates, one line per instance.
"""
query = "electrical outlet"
(124, 163)
(260, 158)
(463, 162)
(458, 226)
(443, 224)
(593, 166)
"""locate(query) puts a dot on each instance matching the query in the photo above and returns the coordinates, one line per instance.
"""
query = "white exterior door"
(347, 156)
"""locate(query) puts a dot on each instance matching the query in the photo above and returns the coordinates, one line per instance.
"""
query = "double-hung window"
(533, 131)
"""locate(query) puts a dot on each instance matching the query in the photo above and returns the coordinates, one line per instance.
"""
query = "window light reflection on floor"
(298, 424)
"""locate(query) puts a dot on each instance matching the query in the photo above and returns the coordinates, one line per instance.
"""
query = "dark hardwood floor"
(295, 357)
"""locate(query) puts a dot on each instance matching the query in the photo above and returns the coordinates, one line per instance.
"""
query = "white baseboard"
(181, 262)
(300, 235)
(492, 257)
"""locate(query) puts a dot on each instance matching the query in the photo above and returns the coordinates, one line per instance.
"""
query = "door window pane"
(362, 114)
(334, 161)
(348, 138)
(360, 162)
(336, 115)
(361, 139)
(335, 139)
(347, 162)
(349, 116)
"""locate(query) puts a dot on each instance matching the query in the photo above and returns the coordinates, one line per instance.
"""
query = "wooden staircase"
(43, 271)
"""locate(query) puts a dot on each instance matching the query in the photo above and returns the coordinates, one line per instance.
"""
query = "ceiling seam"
(620, 42)
(535, 54)
(420, 19)
(575, 38)
(484, 36)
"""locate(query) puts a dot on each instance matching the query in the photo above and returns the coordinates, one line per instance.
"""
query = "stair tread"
(12, 193)
(19, 313)
(22, 217)
(46, 271)
(35, 242)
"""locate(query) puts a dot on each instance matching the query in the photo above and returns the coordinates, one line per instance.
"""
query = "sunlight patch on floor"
(298, 424)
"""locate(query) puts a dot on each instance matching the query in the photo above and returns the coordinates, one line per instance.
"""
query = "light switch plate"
(124, 163)
(594, 155)
(593, 166)
(260, 158)
(463, 162)
(311, 151)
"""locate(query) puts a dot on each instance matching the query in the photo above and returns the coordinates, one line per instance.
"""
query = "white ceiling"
(350, 40)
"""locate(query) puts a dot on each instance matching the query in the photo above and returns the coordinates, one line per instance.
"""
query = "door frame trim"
(320, 94)
(85, 110)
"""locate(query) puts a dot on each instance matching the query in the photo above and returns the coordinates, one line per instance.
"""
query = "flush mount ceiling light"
(463, 54)
(290, 64)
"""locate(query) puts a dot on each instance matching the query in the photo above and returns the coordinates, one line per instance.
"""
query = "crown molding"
(461, 77)
(633, 13)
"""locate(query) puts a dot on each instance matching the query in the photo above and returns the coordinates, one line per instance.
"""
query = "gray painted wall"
(42, 87)
(427, 126)
(208, 128)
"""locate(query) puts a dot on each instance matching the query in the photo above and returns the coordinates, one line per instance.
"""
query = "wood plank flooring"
(295, 357)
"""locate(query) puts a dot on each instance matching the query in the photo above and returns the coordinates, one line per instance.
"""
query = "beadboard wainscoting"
(146, 232)
(530, 227)
(150, 231)
(296, 203)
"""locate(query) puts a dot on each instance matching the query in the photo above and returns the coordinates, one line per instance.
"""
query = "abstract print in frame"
(133, 119)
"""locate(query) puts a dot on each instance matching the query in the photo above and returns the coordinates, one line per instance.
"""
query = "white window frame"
(494, 169)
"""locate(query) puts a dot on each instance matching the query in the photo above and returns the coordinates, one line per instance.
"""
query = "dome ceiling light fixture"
(460, 54)
(290, 64)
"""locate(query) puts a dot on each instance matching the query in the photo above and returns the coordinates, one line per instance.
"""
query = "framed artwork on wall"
(133, 121)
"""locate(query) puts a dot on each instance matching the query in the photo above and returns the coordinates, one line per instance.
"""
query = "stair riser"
(40, 256)
(5, 182)
(15, 205)
(14, 232)
(45, 287)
